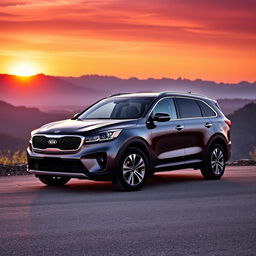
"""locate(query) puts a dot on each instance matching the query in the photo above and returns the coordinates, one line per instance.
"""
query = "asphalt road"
(177, 213)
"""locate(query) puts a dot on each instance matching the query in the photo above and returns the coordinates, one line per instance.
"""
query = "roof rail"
(124, 93)
(146, 92)
(184, 93)
(197, 94)
(163, 93)
(117, 94)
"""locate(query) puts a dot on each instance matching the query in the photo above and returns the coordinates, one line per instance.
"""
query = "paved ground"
(177, 213)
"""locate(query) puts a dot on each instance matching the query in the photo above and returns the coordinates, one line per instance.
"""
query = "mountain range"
(47, 91)
(112, 84)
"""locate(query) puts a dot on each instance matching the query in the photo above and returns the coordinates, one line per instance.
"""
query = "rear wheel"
(54, 181)
(214, 164)
(133, 170)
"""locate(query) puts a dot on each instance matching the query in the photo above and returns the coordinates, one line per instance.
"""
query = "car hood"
(80, 126)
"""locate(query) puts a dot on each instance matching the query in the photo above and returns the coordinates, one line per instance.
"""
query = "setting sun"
(24, 69)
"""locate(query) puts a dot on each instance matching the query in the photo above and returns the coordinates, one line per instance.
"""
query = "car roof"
(159, 94)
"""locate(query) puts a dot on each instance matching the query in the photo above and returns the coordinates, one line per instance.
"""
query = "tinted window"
(117, 108)
(166, 106)
(188, 108)
(207, 111)
(217, 105)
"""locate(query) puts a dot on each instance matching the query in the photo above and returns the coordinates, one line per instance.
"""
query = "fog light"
(95, 162)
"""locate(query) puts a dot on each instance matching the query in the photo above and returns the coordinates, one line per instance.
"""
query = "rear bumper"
(229, 150)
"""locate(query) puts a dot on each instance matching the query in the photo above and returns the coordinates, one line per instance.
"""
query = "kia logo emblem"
(52, 141)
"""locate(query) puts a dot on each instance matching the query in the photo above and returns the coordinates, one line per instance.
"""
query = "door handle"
(208, 125)
(179, 127)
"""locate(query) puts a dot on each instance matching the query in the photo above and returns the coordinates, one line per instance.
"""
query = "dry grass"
(9, 158)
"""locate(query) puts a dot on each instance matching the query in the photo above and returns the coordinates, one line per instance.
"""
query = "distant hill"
(243, 132)
(228, 106)
(20, 121)
(44, 90)
(48, 91)
(9, 142)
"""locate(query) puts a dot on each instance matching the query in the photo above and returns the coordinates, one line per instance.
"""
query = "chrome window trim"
(200, 108)
(173, 97)
(56, 149)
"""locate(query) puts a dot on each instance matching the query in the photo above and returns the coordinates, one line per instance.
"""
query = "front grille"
(62, 142)
(56, 165)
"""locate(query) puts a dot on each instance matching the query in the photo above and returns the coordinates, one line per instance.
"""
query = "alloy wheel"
(134, 169)
(217, 161)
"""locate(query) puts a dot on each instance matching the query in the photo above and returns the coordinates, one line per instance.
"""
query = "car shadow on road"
(174, 178)
(155, 181)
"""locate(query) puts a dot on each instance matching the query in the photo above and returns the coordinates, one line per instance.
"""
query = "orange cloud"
(207, 39)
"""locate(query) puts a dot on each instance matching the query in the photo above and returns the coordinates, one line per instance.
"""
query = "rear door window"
(188, 108)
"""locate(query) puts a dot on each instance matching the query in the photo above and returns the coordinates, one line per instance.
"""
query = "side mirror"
(161, 117)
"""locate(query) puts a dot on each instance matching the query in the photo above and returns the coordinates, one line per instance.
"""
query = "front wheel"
(133, 170)
(54, 181)
(214, 165)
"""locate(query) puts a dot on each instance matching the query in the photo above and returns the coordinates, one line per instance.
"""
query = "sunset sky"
(212, 40)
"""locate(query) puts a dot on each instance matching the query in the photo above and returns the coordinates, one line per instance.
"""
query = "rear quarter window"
(207, 111)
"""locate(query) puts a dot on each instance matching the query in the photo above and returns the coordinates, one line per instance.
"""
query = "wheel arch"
(137, 143)
(218, 139)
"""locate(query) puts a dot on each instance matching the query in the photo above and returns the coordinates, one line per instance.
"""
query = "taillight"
(228, 122)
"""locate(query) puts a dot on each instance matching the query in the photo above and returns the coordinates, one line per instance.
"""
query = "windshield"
(117, 108)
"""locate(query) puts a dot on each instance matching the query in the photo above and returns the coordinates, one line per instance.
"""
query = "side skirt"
(195, 163)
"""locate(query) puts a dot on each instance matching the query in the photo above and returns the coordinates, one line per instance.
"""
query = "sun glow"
(24, 69)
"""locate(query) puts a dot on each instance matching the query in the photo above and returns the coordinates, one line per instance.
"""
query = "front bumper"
(59, 174)
(96, 161)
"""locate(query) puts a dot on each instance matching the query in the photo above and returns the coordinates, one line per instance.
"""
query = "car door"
(166, 137)
(197, 127)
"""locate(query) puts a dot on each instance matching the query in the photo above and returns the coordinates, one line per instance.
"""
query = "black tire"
(215, 162)
(125, 175)
(54, 181)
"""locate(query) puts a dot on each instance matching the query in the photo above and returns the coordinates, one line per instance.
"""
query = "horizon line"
(132, 77)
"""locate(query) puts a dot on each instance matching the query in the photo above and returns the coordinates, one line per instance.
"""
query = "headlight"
(103, 136)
